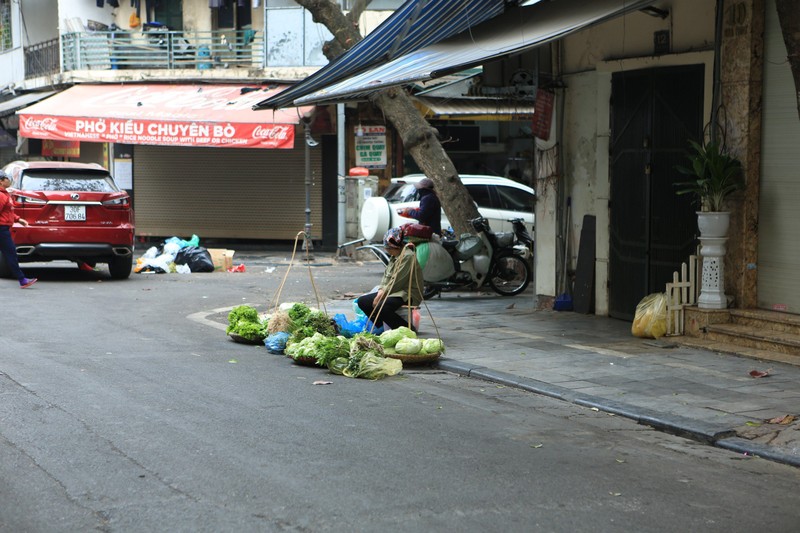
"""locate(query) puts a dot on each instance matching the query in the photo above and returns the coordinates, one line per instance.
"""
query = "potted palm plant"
(715, 175)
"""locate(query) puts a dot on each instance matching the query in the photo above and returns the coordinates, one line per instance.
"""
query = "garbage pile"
(176, 255)
(309, 336)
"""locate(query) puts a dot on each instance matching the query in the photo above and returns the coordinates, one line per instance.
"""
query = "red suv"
(75, 211)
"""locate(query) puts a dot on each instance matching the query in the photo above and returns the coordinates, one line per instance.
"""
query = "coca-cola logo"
(280, 133)
(41, 124)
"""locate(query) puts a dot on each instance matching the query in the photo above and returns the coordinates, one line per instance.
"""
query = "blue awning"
(514, 31)
(415, 24)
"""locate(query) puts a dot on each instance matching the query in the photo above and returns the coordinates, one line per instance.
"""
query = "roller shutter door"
(779, 216)
(224, 193)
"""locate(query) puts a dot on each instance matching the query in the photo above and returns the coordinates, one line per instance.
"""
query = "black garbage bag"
(196, 258)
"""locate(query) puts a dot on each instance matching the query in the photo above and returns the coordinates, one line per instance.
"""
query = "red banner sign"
(543, 114)
(129, 131)
(159, 114)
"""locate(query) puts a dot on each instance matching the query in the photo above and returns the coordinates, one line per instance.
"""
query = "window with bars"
(6, 40)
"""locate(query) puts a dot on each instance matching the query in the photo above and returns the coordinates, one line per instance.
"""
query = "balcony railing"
(41, 59)
(103, 50)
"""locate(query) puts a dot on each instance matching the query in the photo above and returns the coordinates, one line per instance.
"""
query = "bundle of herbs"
(306, 322)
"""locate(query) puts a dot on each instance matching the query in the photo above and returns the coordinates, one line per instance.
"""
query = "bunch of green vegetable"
(298, 312)
(329, 348)
(365, 360)
(306, 322)
(243, 320)
(322, 348)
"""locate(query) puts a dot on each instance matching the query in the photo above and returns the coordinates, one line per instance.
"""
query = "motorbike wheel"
(510, 275)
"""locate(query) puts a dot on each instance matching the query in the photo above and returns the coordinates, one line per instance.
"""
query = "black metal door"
(654, 114)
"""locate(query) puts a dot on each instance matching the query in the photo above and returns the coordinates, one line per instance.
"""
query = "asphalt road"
(124, 407)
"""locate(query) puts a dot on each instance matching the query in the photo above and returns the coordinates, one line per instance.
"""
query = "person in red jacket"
(7, 219)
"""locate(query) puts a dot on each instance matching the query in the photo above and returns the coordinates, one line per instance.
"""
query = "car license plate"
(74, 212)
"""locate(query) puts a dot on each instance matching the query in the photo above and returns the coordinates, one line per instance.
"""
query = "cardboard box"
(222, 259)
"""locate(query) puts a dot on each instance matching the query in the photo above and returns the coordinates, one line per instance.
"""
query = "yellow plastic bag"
(650, 320)
(134, 20)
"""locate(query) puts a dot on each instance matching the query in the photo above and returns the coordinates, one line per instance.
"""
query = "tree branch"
(343, 27)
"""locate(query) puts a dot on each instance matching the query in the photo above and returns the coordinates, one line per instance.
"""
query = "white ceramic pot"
(713, 224)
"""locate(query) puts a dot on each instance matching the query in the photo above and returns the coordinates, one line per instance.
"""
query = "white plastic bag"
(172, 248)
(440, 265)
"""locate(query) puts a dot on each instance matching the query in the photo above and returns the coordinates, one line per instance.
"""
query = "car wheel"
(376, 218)
(5, 270)
(120, 266)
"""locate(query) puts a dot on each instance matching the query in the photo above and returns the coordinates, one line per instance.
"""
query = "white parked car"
(499, 200)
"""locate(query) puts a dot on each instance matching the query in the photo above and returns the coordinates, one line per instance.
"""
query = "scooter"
(523, 245)
(486, 257)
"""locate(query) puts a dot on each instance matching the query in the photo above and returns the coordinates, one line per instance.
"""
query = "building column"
(739, 119)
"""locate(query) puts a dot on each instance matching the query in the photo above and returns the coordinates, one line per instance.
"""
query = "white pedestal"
(712, 289)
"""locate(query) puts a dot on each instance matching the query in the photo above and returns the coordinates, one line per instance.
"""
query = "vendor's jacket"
(399, 272)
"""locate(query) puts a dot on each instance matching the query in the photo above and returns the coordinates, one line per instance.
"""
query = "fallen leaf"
(615, 493)
(233, 361)
(759, 373)
(620, 460)
(595, 409)
(783, 420)
(537, 445)
(752, 424)
(321, 382)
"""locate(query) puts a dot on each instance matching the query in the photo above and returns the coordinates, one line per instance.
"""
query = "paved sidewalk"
(596, 362)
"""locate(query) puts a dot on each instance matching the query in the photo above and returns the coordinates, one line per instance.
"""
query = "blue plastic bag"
(276, 343)
(194, 241)
(349, 328)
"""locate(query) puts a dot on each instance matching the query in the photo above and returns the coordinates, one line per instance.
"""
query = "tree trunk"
(789, 17)
(419, 138)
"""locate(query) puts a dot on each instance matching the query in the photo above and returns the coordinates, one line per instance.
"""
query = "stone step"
(766, 320)
(755, 337)
(738, 349)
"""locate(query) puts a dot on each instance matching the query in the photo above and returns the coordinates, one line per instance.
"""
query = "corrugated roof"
(514, 31)
(416, 24)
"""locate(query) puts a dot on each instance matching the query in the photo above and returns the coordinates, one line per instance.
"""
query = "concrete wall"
(84, 11)
(41, 21)
(12, 62)
(690, 23)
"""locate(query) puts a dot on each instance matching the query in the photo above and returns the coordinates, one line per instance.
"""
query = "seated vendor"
(402, 273)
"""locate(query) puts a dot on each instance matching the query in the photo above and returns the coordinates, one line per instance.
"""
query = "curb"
(714, 435)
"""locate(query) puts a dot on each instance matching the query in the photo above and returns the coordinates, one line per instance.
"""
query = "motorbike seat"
(504, 239)
(449, 244)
